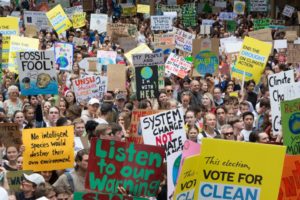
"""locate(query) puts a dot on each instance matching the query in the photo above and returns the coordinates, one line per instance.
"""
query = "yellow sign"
(143, 9)
(129, 11)
(48, 148)
(143, 48)
(18, 44)
(8, 26)
(226, 171)
(252, 59)
(78, 19)
(59, 19)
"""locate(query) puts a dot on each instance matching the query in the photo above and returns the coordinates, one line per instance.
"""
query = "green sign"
(231, 26)
(94, 195)
(261, 23)
(189, 15)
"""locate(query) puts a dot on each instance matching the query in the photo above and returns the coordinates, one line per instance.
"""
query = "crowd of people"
(215, 105)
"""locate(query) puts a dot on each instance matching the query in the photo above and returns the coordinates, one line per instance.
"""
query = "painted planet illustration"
(146, 72)
(62, 61)
(294, 123)
(176, 169)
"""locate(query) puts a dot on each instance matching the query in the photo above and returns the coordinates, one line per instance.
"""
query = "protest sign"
(291, 35)
(258, 5)
(37, 73)
(261, 23)
(209, 22)
(165, 49)
(289, 187)
(263, 34)
(8, 26)
(293, 53)
(288, 10)
(48, 148)
(117, 77)
(78, 41)
(128, 9)
(189, 15)
(298, 13)
(64, 53)
(206, 62)
(98, 22)
(102, 196)
(138, 168)
(290, 117)
(143, 48)
(205, 29)
(4, 3)
(252, 59)
(220, 4)
(170, 8)
(147, 59)
(78, 19)
(164, 39)
(15, 178)
(231, 26)
(161, 23)
(117, 30)
(10, 134)
(37, 18)
(127, 43)
(190, 148)
(89, 87)
(106, 58)
(280, 44)
(184, 40)
(59, 19)
(145, 9)
(31, 31)
(90, 64)
(275, 83)
(226, 171)
(18, 44)
(227, 15)
(146, 82)
(75, 9)
(170, 14)
(239, 7)
(177, 65)
(166, 129)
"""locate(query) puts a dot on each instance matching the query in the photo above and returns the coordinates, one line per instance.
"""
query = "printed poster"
(37, 73)
(59, 19)
(49, 148)
(38, 19)
(177, 65)
(64, 53)
(98, 22)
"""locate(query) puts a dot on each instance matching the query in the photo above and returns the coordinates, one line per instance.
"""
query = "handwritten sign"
(146, 82)
(143, 48)
(137, 168)
(10, 134)
(106, 58)
(37, 73)
(161, 23)
(98, 22)
(15, 178)
(59, 19)
(145, 9)
(189, 15)
(261, 23)
(170, 8)
(164, 39)
(37, 18)
(128, 9)
(147, 59)
(177, 65)
(78, 19)
(206, 62)
(184, 40)
(90, 64)
(288, 10)
(48, 148)
(64, 53)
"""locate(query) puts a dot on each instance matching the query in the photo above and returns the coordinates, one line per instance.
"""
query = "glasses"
(169, 91)
(228, 133)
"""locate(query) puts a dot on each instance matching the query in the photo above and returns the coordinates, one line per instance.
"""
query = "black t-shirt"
(20, 196)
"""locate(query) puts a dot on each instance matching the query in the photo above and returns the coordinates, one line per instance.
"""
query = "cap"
(34, 178)
(120, 96)
(93, 101)
(78, 30)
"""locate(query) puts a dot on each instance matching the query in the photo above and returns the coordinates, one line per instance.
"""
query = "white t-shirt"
(246, 134)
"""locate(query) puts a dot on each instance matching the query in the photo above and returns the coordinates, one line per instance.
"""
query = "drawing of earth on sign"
(62, 62)
(206, 62)
(294, 123)
(176, 169)
(146, 72)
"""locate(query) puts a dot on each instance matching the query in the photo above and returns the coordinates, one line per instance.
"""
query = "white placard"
(161, 23)
(288, 11)
(99, 22)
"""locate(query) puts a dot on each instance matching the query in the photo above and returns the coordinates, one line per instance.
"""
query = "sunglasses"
(169, 91)
(228, 133)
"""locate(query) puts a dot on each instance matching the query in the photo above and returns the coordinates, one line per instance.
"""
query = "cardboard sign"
(206, 62)
(138, 168)
(78, 19)
(8, 26)
(31, 31)
(116, 77)
(263, 34)
(288, 11)
(290, 117)
(164, 39)
(146, 82)
(189, 15)
(184, 40)
(37, 73)
(289, 185)
(10, 134)
(177, 65)
(90, 64)
(227, 15)
(252, 59)
(94, 195)
(37, 18)
(98, 22)
(128, 9)
(18, 44)
(127, 43)
(90, 87)
(161, 23)
(223, 170)
(239, 7)
(48, 148)
(143, 48)
(64, 53)
(291, 35)
(258, 5)
(261, 23)
(59, 19)
(15, 178)
(145, 9)
(147, 59)
(121, 30)
(275, 83)
(293, 53)
(75, 9)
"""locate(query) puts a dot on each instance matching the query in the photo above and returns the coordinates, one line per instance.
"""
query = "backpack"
(70, 181)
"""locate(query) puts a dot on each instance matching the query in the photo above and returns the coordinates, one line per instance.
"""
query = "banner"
(49, 148)
(147, 59)
(59, 19)
(37, 18)
(290, 117)
(293, 53)
(177, 65)
(89, 87)
(146, 82)
(261, 23)
(64, 53)
(252, 59)
(275, 83)
(189, 15)
(184, 40)
(143, 48)
(161, 23)
(78, 19)
(10, 134)
(225, 171)
(94, 195)
(138, 168)
(37, 73)
(15, 178)
(239, 7)
(98, 22)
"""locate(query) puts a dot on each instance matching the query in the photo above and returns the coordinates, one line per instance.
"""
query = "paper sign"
(183, 40)
(164, 39)
(147, 59)
(143, 8)
(121, 30)
(288, 10)
(138, 168)
(290, 117)
(252, 59)
(59, 19)
(90, 87)
(143, 48)
(127, 43)
(189, 15)
(78, 20)
(90, 64)
(291, 35)
(170, 8)
(177, 65)
(98, 22)
(116, 77)
(263, 34)
(37, 18)
(15, 178)
(258, 5)
(161, 23)
(75, 9)
(10, 134)
(227, 15)
(64, 53)
(37, 73)
(239, 7)
(48, 148)
(170, 14)
(261, 23)
(88, 195)
(128, 9)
